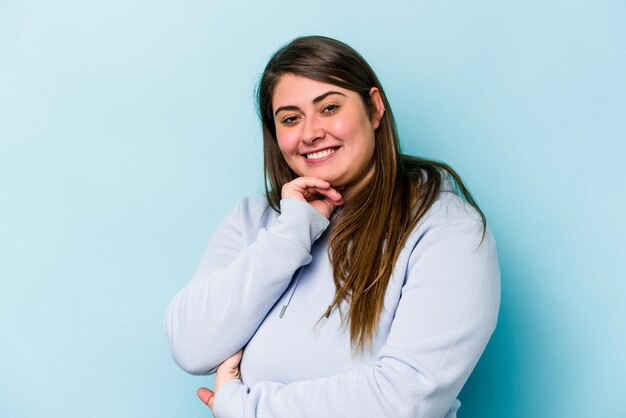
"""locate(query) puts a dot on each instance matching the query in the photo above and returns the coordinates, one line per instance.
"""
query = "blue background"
(128, 130)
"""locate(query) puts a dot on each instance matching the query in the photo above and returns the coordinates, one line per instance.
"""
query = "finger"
(331, 194)
(232, 362)
(305, 182)
(334, 196)
(298, 187)
(206, 396)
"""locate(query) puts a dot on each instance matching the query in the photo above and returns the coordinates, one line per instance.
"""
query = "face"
(325, 131)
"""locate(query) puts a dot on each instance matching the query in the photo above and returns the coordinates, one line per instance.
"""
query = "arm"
(446, 314)
(235, 286)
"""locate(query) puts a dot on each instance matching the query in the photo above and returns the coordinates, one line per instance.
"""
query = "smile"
(321, 154)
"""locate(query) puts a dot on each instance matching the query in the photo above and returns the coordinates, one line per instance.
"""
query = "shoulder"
(452, 240)
(449, 207)
(451, 225)
(252, 206)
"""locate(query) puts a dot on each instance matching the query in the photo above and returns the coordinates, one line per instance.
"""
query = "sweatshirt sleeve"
(236, 285)
(446, 314)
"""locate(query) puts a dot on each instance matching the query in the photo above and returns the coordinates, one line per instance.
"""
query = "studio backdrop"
(128, 130)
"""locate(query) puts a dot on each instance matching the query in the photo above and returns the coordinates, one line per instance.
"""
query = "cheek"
(352, 126)
(287, 142)
(342, 128)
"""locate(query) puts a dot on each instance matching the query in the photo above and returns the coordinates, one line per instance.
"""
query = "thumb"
(206, 396)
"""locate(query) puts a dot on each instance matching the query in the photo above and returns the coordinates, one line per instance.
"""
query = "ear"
(376, 99)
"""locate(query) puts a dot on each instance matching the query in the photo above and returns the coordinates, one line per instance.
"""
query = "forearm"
(221, 308)
(398, 385)
(446, 315)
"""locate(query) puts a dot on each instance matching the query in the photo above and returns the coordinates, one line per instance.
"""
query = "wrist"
(230, 400)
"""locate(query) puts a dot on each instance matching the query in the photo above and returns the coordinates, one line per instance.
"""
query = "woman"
(362, 284)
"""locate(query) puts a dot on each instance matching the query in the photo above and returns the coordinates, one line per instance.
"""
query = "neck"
(350, 190)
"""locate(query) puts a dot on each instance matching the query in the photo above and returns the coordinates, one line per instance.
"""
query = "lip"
(320, 159)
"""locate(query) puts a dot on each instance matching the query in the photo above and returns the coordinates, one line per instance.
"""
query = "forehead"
(293, 89)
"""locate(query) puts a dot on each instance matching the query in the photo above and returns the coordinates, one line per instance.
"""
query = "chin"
(334, 182)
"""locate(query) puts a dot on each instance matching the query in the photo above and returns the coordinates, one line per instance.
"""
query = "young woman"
(365, 282)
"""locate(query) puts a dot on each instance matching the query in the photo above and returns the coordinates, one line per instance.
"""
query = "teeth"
(320, 154)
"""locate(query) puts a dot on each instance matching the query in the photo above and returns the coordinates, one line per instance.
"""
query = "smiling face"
(325, 131)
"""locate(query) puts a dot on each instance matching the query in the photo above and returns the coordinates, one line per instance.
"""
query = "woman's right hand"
(311, 189)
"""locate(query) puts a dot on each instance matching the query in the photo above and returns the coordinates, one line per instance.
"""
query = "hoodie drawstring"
(284, 308)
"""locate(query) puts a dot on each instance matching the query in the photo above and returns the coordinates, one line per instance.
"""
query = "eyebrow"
(315, 101)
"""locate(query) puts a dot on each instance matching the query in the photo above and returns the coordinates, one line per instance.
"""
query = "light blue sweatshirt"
(440, 309)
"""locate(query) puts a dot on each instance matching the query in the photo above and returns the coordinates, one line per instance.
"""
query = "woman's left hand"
(227, 371)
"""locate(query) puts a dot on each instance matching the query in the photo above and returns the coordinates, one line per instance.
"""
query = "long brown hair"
(373, 225)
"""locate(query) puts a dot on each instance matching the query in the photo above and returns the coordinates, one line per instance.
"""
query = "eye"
(330, 108)
(289, 120)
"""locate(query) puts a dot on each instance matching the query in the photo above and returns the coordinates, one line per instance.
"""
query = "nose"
(312, 130)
